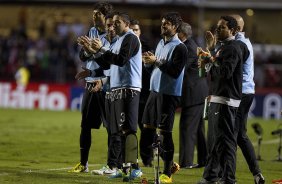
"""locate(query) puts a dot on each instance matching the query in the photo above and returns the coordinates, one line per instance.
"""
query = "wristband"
(158, 63)
(98, 50)
(86, 54)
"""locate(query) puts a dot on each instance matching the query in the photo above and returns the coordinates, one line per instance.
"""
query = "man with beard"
(165, 89)
(146, 75)
(114, 160)
(92, 114)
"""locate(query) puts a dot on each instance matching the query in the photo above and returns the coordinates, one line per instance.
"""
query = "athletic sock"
(168, 147)
(146, 140)
(85, 143)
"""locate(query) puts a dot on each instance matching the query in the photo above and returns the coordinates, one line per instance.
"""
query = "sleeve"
(191, 57)
(105, 80)
(179, 57)
(246, 52)
(128, 49)
(227, 62)
(99, 72)
(83, 56)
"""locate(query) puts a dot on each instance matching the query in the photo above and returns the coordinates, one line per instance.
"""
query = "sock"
(85, 143)
(168, 147)
(146, 140)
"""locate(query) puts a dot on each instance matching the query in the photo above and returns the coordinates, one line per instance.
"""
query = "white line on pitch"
(56, 169)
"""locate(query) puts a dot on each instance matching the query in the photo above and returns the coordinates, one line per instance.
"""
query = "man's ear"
(127, 23)
(234, 30)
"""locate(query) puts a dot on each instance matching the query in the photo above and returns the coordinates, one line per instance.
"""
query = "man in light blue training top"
(165, 89)
(125, 63)
(92, 114)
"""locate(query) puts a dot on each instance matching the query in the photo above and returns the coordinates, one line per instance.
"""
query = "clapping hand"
(148, 58)
(85, 42)
(96, 44)
(97, 85)
(203, 57)
(210, 40)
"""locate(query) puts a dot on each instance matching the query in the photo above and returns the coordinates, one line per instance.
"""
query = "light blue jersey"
(161, 82)
(248, 66)
(130, 74)
(91, 64)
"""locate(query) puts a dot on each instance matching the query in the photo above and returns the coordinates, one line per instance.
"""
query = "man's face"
(110, 28)
(136, 29)
(222, 30)
(98, 18)
(119, 25)
(167, 29)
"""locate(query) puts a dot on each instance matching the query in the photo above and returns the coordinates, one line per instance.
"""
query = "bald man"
(248, 93)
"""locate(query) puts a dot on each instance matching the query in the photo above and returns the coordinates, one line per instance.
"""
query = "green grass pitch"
(39, 147)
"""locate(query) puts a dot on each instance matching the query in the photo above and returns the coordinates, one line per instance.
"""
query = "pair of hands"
(205, 57)
(148, 58)
(90, 45)
(96, 86)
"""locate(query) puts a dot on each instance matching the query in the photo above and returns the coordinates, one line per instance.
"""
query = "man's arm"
(129, 48)
(227, 62)
(179, 57)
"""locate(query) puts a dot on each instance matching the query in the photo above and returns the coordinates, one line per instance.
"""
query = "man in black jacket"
(146, 75)
(225, 68)
(194, 91)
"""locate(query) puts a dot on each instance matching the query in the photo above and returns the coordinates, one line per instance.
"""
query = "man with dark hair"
(248, 90)
(104, 8)
(225, 69)
(146, 74)
(194, 92)
(114, 160)
(92, 114)
(165, 86)
(125, 63)
(135, 26)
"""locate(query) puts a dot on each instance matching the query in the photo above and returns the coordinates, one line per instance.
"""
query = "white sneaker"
(105, 170)
(110, 171)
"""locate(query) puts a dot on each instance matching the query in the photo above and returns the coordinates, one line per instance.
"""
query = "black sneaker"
(259, 179)
(204, 181)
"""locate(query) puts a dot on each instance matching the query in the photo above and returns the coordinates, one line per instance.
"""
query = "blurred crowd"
(55, 59)
(268, 68)
(49, 59)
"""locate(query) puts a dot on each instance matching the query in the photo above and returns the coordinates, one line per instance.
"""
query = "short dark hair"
(231, 22)
(109, 16)
(125, 17)
(186, 29)
(104, 7)
(134, 22)
(174, 18)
